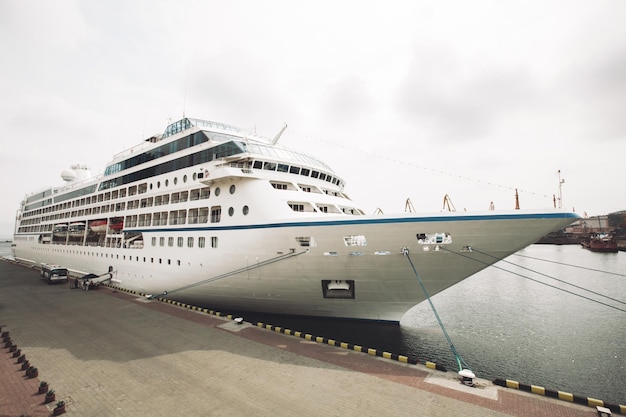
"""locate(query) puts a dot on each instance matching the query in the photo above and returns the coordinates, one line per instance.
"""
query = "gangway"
(93, 279)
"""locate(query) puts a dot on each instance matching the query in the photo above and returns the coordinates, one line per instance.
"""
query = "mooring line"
(237, 271)
(554, 278)
(531, 279)
(573, 266)
(462, 364)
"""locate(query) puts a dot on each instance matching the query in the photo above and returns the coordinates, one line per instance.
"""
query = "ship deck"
(112, 353)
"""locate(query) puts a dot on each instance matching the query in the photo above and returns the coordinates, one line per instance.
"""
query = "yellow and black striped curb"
(318, 339)
(350, 346)
(173, 302)
(561, 395)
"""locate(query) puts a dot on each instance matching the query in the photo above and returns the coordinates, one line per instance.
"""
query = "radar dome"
(68, 175)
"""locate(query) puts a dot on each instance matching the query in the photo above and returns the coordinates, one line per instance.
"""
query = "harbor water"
(506, 324)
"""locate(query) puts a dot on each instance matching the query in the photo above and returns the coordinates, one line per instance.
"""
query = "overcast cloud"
(403, 99)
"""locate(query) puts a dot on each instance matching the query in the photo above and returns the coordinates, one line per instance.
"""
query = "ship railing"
(132, 150)
(76, 184)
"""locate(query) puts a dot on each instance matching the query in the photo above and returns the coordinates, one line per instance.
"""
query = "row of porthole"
(217, 190)
(167, 181)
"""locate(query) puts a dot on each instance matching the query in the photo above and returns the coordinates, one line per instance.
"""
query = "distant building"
(590, 225)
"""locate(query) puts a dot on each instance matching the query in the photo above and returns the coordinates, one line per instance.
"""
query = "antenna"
(561, 182)
(185, 100)
(279, 134)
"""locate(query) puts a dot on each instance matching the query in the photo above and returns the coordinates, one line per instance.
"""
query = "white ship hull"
(385, 286)
(250, 232)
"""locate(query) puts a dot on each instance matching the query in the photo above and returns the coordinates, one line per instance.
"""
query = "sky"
(404, 100)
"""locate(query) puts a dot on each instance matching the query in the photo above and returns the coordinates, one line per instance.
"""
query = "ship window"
(201, 242)
(306, 241)
(338, 288)
(231, 211)
(193, 216)
(434, 238)
(183, 196)
(190, 242)
(173, 217)
(205, 193)
(279, 186)
(154, 241)
(182, 216)
(180, 242)
(246, 210)
(184, 178)
(257, 164)
(175, 180)
(355, 240)
(232, 189)
(270, 166)
(214, 241)
(161, 241)
(294, 170)
(203, 216)
(296, 206)
(217, 191)
(305, 172)
(282, 168)
(170, 241)
(216, 214)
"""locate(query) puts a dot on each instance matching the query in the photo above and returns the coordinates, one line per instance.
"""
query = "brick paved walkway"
(18, 394)
(112, 354)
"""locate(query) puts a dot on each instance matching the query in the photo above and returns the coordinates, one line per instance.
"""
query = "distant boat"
(600, 242)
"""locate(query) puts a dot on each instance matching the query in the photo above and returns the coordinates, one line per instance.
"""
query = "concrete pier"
(110, 353)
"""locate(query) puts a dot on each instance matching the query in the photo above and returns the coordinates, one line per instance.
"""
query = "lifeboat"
(60, 230)
(77, 229)
(98, 226)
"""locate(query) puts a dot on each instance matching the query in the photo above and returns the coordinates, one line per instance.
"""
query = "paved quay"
(109, 353)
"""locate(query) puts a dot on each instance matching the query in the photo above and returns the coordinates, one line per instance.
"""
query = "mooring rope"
(537, 281)
(237, 271)
(573, 266)
(459, 360)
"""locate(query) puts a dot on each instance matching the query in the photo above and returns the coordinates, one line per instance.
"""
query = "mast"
(561, 182)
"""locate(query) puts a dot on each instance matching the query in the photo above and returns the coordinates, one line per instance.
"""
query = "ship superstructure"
(211, 214)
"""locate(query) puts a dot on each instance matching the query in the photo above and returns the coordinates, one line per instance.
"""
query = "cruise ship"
(216, 216)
